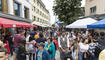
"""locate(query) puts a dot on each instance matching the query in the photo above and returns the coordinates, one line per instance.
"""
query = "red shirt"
(56, 43)
(7, 47)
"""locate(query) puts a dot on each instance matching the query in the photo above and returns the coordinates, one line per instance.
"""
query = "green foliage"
(67, 10)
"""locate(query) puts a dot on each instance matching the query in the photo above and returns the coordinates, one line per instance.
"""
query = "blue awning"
(99, 24)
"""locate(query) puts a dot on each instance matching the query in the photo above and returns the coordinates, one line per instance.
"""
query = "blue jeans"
(16, 50)
(80, 56)
(93, 56)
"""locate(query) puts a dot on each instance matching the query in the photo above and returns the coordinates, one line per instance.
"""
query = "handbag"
(31, 47)
(86, 56)
(50, 52)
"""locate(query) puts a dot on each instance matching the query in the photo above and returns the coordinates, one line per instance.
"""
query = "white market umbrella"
(81, 23)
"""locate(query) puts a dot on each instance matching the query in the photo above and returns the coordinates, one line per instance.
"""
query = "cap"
(41, 44)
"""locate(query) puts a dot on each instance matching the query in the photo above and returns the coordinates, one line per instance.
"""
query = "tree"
(67, 10)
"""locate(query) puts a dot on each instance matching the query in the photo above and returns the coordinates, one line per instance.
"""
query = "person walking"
(17, 40)
(50, 47)
(21, 53)
(31, 48)
(42, 53)
(101, 43)
(63, 43)
(40, 39)
(92, 47)
(9, 39)
(83, 49)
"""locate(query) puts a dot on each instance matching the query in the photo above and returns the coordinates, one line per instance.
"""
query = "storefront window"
(17, 9)
(0, 5)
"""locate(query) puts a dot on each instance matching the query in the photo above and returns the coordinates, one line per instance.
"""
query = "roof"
(40, 1)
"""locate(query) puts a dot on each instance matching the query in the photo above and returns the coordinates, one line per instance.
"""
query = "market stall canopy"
(8, 23)
(82, 23)
(99, 24)
(28, 25)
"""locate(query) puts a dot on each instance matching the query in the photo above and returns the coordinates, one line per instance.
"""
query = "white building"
(40, 15)
(22, 5)
(19, 10)
(94, 7)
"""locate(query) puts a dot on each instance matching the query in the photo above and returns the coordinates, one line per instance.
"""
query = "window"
(17, 9)
(26, 12)
(34, 18)
(34, 1)
(38, 11)
(0, 5)
(34, 9)
(93, 10)
(37, 19)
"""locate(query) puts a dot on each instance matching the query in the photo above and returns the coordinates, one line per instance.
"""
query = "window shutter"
(5, 6)
(27, 13)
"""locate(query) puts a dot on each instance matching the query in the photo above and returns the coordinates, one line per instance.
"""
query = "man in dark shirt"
(40, 39)
(101, 44)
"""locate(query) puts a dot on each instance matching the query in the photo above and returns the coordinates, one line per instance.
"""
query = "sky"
(49, 6)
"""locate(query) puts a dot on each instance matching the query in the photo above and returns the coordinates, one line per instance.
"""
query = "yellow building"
(94, 7)
(40, 15)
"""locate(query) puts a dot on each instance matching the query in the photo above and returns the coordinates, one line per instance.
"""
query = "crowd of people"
(43, 45)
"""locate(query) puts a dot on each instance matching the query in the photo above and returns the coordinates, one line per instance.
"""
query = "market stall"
(81, 23)
(98, 25)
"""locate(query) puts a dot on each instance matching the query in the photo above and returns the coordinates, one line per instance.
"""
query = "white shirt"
(63, 40)
(83, 47)
(27, 40)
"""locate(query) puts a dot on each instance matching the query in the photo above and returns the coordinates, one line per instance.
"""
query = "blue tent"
(99, 24)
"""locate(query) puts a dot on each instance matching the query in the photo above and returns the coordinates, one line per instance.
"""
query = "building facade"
(40, 15)
(94, 7)
(19, 10)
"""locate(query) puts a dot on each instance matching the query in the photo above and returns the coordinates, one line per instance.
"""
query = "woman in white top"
(83, 48)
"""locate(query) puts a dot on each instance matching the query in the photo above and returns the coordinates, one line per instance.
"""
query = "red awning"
(28, 25)
(8, 23)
